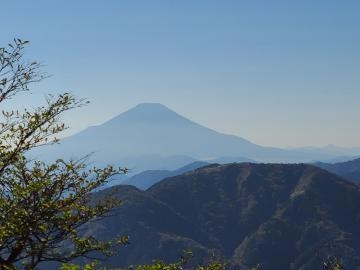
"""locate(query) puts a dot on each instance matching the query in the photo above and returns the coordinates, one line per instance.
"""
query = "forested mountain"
(281, 216)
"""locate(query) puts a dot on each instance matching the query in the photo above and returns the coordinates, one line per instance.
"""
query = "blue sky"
(279, 73)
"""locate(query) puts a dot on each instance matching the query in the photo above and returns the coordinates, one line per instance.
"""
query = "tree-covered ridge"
(277, 215)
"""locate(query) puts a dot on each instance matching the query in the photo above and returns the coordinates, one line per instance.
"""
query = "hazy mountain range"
(146, 179)
(341, 153)
(151, 136)
(350, 170)
(278, 215)
(281, 216)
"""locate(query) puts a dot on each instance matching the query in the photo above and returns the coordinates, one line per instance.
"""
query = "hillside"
(350, 170)
(278, 215)
(146, 179)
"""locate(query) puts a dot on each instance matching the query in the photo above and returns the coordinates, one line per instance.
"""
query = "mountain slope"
(151, 136)
(350, 170)
(146, 179)
(273, 214)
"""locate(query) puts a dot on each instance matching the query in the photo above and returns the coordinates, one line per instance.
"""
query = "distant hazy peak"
(148, 111)
(151, 105)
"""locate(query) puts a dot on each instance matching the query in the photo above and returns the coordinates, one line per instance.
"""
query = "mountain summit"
(145, 112)
(152, 136)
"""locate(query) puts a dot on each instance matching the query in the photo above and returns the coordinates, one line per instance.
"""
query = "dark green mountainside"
(277, 215)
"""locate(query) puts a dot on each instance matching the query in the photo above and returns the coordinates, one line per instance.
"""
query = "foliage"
(182, 264)
(42, 206)
(332, 263)
(70, 266)
(329, 257)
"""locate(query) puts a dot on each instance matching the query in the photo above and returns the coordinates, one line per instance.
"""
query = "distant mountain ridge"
(151, 136)
(146, 179)
(342, 153)
(350, 170)
(277, 215)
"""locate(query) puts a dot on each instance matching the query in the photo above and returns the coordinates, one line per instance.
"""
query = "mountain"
(341, 153)
(146, 179)
(229, 159)
(350, 170)
(283, 216)
(151, 136)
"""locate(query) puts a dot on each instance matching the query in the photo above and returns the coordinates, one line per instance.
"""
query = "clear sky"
(279, 73)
